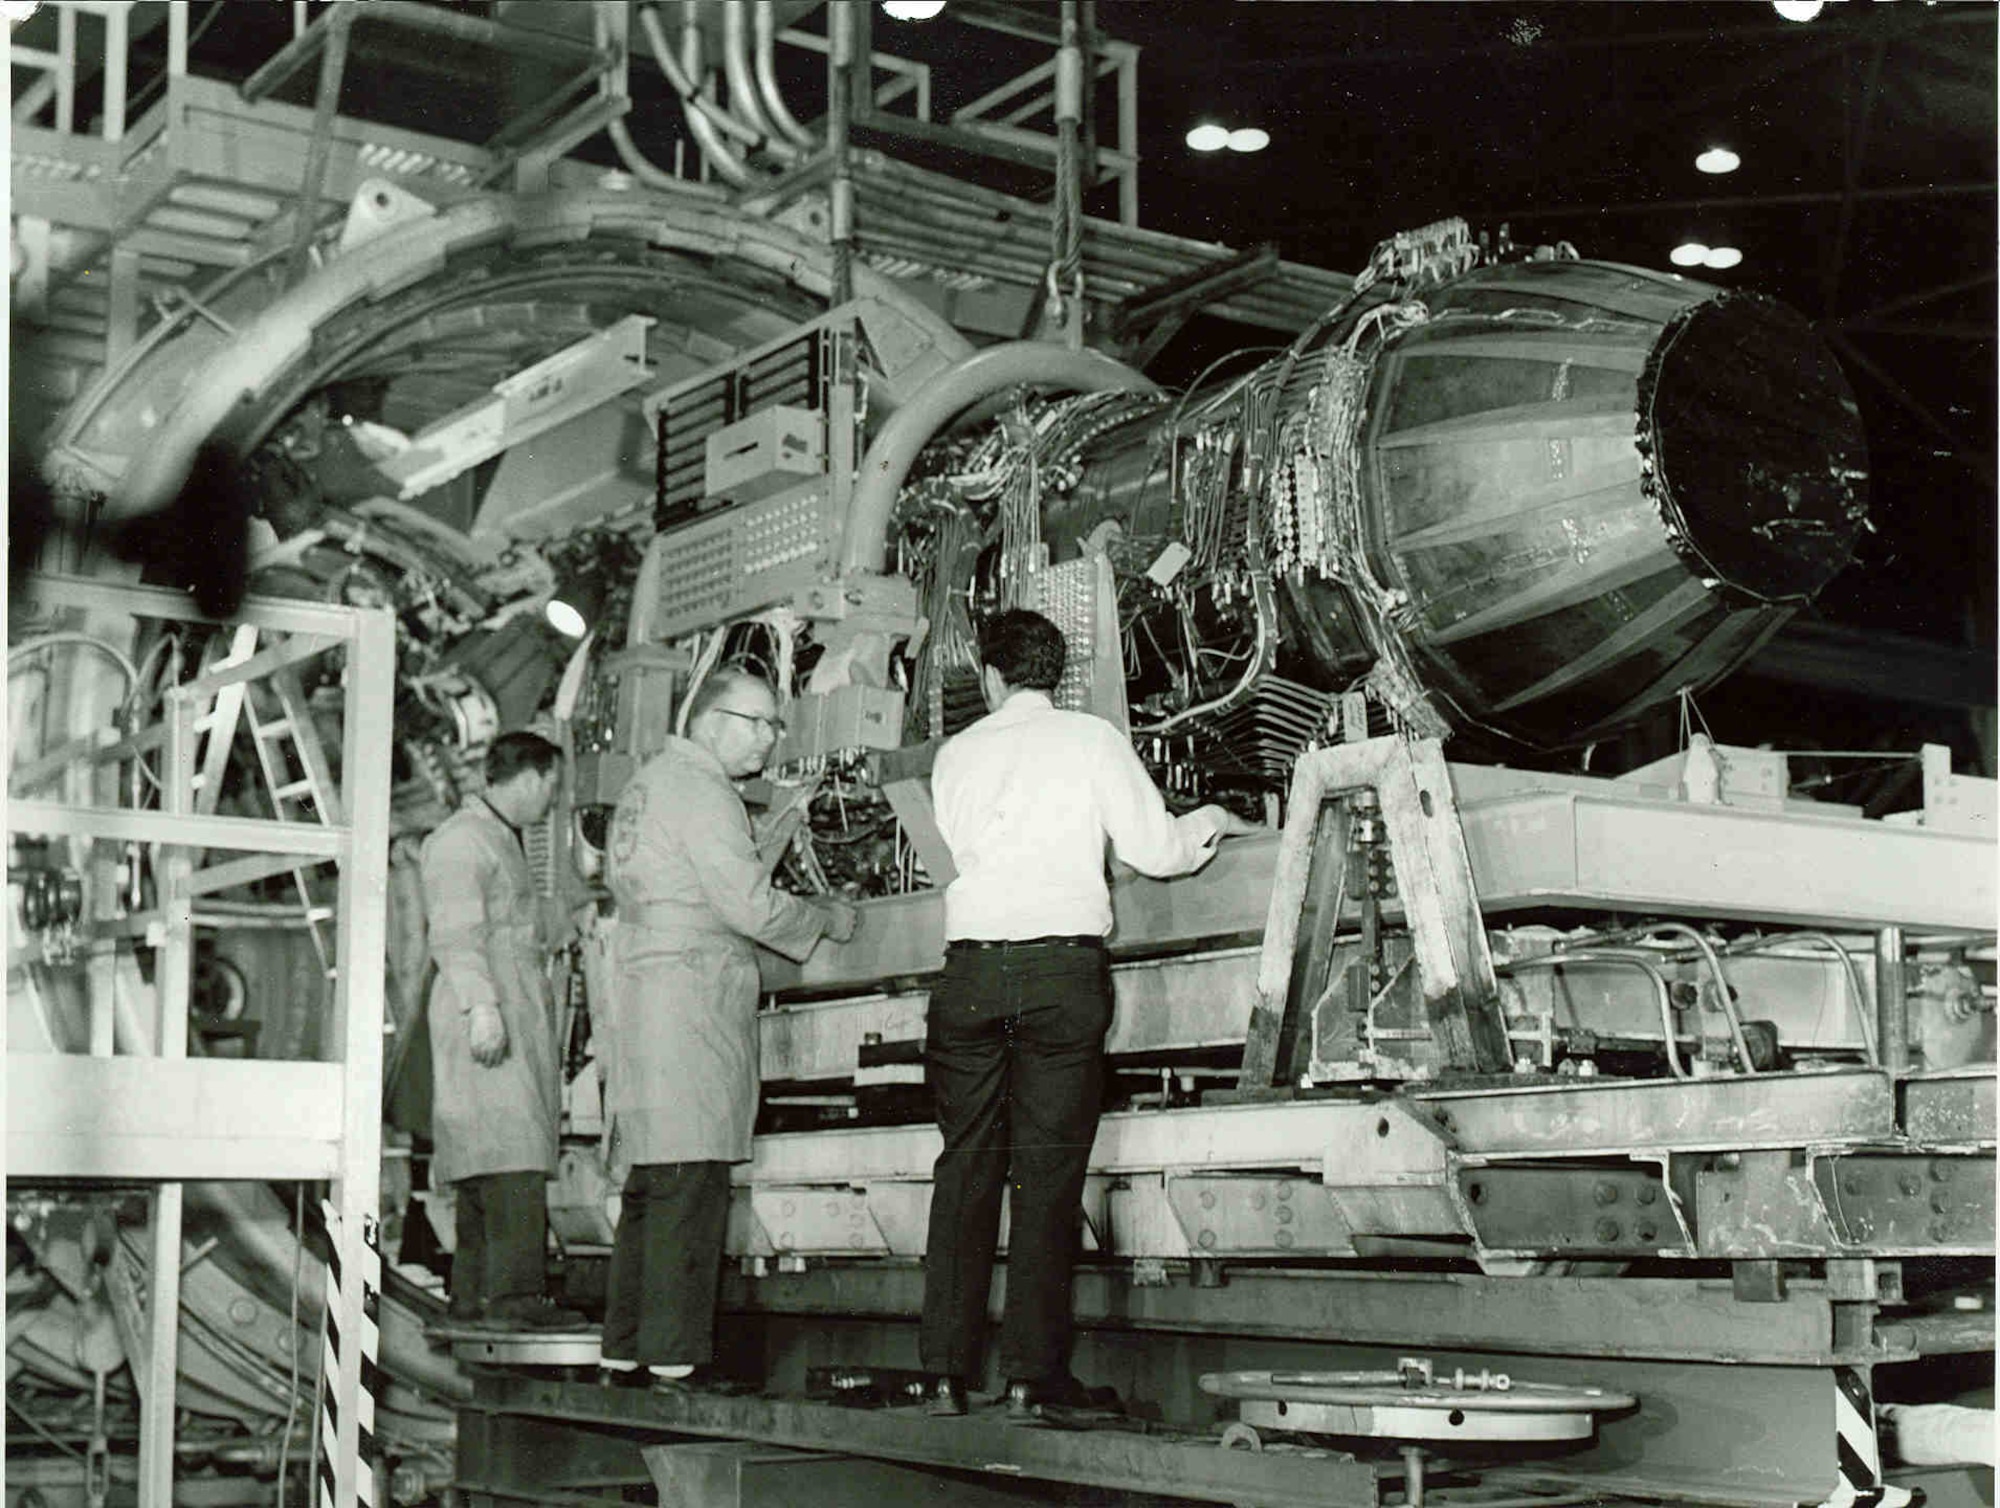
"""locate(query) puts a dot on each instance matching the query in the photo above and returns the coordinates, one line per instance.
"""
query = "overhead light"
(565, 619)
(912, 10)
(1248, 139)
(1688, 254)
(1718, 160)
(1208, 137)
(1721, 258)
(1798, 10)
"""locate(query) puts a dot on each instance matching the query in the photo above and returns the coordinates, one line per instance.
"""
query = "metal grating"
(793, 374)
(749, 557)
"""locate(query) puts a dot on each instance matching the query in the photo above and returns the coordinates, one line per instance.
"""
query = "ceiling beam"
(1740, 201)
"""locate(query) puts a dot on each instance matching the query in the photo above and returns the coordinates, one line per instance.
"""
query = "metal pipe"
(912, 427)
(1725, 1002)
(684, 75)
(332, 68)
(1892, 1000)
(650, 173)
(1861, 1005)
(765, 32)
(744, 100)
(1636, 960)
(839, 123)
(705, 127)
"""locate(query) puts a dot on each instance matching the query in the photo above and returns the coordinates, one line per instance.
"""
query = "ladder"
(298, 784)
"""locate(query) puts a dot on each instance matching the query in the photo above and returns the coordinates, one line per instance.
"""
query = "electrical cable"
(86, 641)
(292, 1335)
(36, 1425)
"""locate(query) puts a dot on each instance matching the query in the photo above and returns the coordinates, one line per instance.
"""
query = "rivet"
(1910, 1184)
(1208, 1199)
(1284, 1214)
(1648, 1193)
(1284, 1191)
(1940, 1203)
(1942, 1169)
(1645, 1231)
(242, 1311)
(1607, 1231)
(1940, 1230)
(1207, 1239)
(1605, 1193)
(789, 1207)
(1854, 1183)
(1257, 1200)
(1285, 1238)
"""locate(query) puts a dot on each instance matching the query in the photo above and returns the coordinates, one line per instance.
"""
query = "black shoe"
(1060, 1401)
(453, 1320)
(536, 1313)
(703, 1379)
(947, 1399)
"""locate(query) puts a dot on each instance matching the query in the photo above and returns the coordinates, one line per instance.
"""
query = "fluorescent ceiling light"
(1249, 139)
(912, 10)
(564, 619)
(1721, 258)
(1798, 10)
(1208, 137)
(1688, 254)
(1718, 160)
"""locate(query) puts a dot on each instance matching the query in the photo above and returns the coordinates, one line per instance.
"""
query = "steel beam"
(1667, 1319)
(74, 1116)
(1118, 1460)
(241, 833)
(1586, 846)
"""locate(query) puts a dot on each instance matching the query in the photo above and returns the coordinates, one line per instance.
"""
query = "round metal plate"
(1396, 1423)
(527, 1348)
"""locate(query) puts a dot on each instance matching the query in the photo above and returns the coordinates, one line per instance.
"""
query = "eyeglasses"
(775, 724)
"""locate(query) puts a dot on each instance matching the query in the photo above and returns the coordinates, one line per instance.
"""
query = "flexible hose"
(913, 426)
(765, 22)
(745, 99)
(707, 127)
(651, 174)
(1260, 661)
(83, 641)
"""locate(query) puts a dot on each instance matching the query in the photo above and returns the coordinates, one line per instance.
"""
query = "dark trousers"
(1014, 1056)
(666, 1263)
(503, 1230)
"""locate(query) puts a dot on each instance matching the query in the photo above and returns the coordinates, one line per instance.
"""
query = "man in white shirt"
(1014, 1053)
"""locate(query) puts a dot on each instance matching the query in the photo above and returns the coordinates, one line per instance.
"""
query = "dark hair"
(1025, 648)
(722, 680)
(511, 753)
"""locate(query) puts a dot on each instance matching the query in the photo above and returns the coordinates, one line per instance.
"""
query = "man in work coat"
(680, 1045)
(497, 1091)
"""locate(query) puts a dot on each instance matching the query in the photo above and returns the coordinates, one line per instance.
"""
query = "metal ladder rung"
(292, 791)
(278, 727)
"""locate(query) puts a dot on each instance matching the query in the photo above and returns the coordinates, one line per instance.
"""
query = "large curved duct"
(711, 281)
(896, 447)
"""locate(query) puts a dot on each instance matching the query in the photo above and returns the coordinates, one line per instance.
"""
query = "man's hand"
(487, 1034)
(1233, 826)
(841, 919)
(1226, 824)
